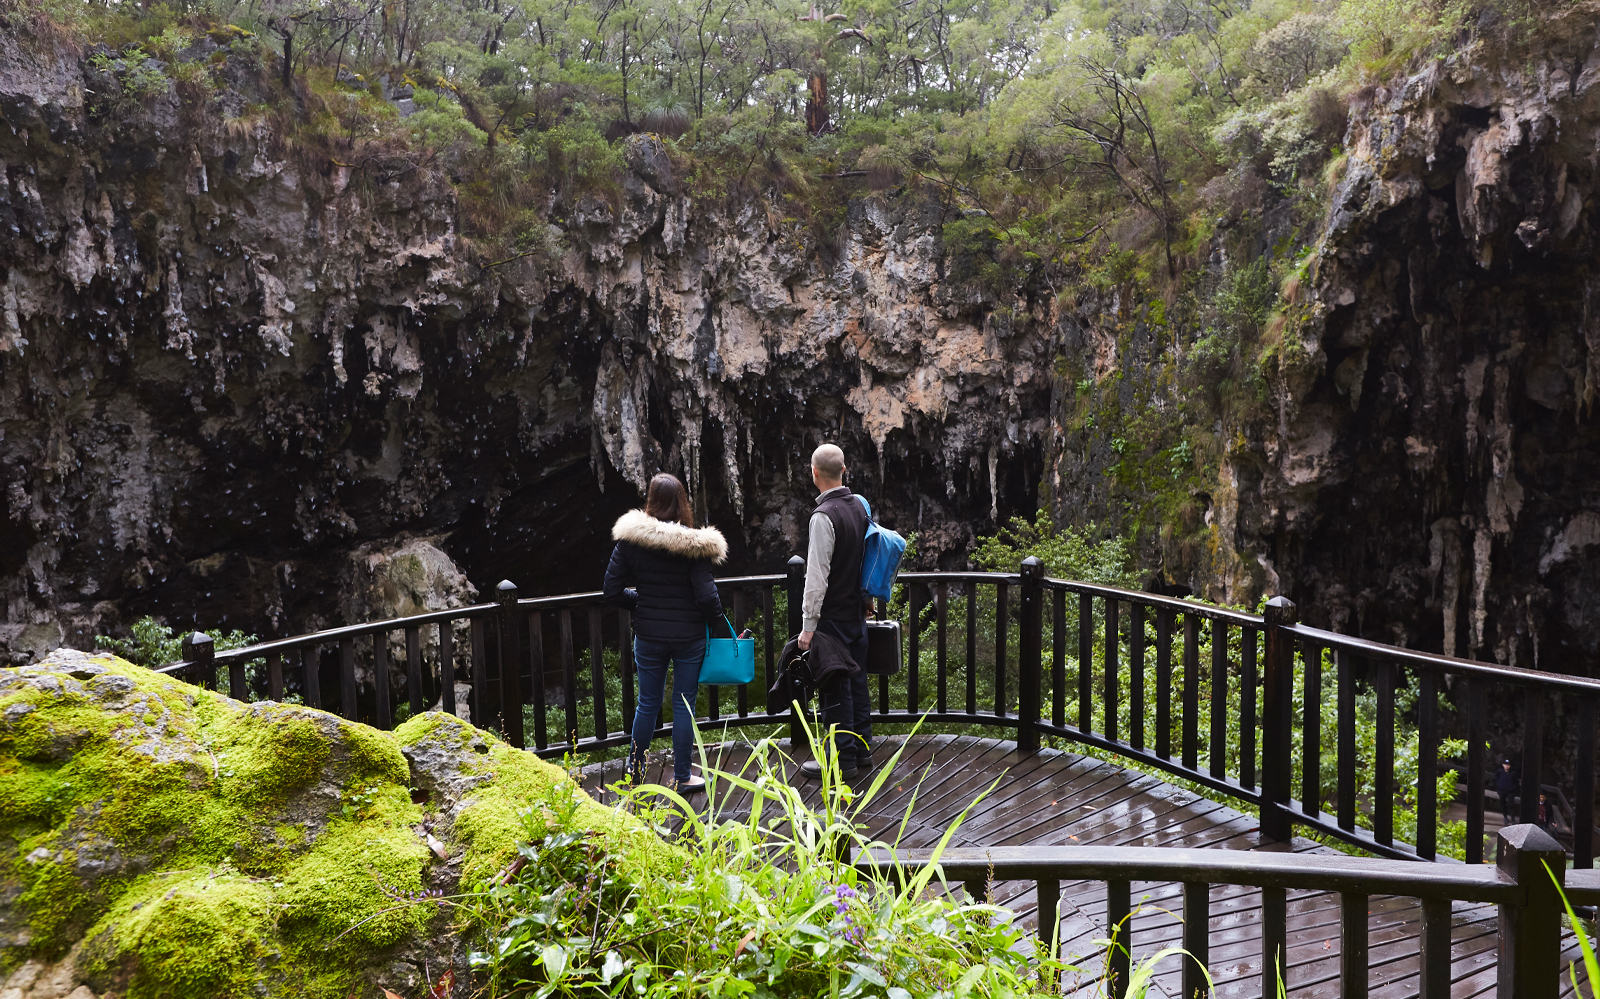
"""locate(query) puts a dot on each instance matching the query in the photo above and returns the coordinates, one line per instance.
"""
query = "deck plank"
(1062, 798)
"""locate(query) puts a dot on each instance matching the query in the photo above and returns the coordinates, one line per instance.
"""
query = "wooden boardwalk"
(1061, 798)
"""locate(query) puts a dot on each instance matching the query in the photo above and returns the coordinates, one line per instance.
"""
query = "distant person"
(661, 571)
(1505, 785)
(1545, 816)
(834, 605)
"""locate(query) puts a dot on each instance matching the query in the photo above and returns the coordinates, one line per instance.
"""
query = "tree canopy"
(1047, 124)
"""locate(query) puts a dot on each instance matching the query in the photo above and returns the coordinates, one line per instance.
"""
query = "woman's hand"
(805, 640)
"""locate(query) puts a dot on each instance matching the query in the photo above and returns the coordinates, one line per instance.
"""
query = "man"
(1506, 784)
(834, 605)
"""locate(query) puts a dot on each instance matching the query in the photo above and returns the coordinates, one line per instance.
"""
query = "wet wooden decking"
(1061, 798)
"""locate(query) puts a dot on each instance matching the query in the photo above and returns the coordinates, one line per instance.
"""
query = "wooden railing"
(1524, 884)
(1033, 657)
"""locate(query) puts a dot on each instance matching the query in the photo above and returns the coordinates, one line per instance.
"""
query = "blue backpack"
(880, 556)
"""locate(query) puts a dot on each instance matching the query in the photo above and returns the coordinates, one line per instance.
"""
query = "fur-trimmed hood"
(641, 529)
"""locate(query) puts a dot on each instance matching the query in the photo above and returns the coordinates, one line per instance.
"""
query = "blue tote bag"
(729, 661)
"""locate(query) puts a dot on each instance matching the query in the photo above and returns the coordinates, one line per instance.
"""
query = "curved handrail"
(262, 649)
(1451, 664)
(1411, 657)
(563, 666)
(1177, 605)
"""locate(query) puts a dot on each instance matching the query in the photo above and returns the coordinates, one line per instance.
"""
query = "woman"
(661, 570)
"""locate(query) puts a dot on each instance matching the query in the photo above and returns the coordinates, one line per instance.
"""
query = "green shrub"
(764, 904)
(1065, 552)
(153, 645)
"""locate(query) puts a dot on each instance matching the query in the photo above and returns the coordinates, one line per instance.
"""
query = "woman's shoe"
(694, 785)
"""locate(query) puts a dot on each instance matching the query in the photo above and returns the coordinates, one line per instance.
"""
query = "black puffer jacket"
(662, 572)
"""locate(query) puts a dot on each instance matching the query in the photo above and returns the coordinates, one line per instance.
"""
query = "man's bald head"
(827, 465)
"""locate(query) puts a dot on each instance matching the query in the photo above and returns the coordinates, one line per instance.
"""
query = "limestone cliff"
(1418, 465)
(233, 369)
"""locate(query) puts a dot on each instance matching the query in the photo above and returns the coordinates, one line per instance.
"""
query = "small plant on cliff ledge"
(1067, 553)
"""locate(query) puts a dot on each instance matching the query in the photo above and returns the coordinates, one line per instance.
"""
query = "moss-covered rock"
(157, 839)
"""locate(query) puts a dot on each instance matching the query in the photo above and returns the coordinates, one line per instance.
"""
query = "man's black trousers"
(847, 702)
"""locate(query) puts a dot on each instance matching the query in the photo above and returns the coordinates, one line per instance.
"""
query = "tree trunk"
(288, 58)
(469, 107)
(817, 103)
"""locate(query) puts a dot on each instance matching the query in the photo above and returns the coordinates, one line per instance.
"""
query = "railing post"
(311, 676)
(1276, 726)
(349, 691)
(382, 706)
(1477, 708)
(1196, 939)
(1532, 752)
(198, 648)
(1530, 934)
(1119, 911)
(1030, 650)
(510, 664)
(794, 588)
(1583, 782)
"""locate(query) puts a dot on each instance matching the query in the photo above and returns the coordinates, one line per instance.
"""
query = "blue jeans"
(651, 658)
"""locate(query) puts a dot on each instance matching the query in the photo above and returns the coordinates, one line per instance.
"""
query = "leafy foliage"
(1066, 553)
(763, 904)
(153, 645)
(1054, 137)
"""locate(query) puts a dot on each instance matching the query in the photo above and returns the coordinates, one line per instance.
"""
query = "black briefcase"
(883, 647)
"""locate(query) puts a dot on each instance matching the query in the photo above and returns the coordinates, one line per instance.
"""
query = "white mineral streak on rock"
(1449, 532)
(994, 487)
(1472, 383)
(1504, 498)
(277, 308)
(619, 417)
(79, 261)
(197, 181)
(179, 336)
(1581, 532)
(394, 355)
(1482, 548)
(730, 464)
(11, 315)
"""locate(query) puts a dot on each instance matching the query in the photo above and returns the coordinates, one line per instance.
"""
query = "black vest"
(843, 601)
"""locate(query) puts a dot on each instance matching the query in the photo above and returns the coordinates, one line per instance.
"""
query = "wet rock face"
(232, 369)
(1427, 476)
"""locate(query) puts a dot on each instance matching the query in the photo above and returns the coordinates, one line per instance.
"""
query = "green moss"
(375, 755)
(199, 933)
(338, 888)
(266, 763)
(493, 824)
(53, 896)
(414, 730)
(261, 888)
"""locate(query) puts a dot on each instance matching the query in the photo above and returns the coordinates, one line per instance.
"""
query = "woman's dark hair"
(666, 500)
